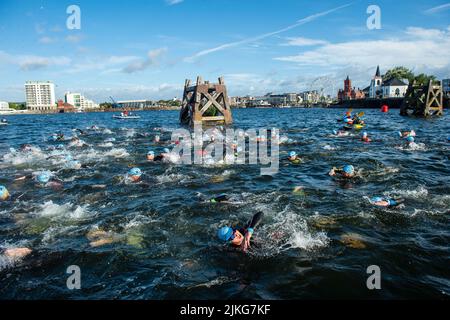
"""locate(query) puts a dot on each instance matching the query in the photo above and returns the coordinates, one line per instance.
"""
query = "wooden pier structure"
(423, 100)
(206, 103)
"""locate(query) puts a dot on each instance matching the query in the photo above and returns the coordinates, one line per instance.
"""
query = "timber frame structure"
(423, 101)
(205, 102)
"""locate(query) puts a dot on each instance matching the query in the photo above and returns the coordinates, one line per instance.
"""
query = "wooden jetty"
(423, 100)
(206, 103)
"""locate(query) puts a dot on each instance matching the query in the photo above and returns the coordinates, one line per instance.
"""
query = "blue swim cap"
(349, 169)
(364, 133)
(410, 139)
(376, 199)
(292, 154)
(347, 120)
(335, 132)
(225, 233)
(135, 172)
(3, 191)
(151, 153)
(43, 177)
(166, 150)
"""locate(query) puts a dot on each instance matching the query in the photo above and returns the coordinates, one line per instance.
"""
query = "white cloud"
(33, 62)
(303, 42)
(46, 40)
(417, 48)
(74, 38)
(101, 63)
(173, 2)
(142, 64)
(266, 35)
(438, 8)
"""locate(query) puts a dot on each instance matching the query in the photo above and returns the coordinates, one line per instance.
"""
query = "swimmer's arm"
(247, 238)
(29, 176)
(333, 171)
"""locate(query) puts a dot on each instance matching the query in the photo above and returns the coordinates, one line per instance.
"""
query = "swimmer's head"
(135, 174)
(364, 134)
(60, 146)
(150, 155)
(349, 169)
(292, 154)
(225, 233)
(410, 139)
(166, 150)
(43, 177)
(376, 199)
(4, 194)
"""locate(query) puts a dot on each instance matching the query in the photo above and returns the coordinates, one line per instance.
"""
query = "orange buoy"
(384, 108)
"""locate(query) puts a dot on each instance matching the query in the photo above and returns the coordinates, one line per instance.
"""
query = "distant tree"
(423, 79)
(17, 106)
(400, 73)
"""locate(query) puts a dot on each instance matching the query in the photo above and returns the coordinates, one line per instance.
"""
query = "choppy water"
(315, 244)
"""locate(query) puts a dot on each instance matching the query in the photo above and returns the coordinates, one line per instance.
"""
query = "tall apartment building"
(40, 96)
(80, 102)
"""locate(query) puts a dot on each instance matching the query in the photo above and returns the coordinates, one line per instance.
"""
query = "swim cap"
(347, 120)
(292, 154)
(225, 233)
(135, 172)
(166, 150)
(364, 134)
(376, 199)
(349, 169)
(43, 177)
(410, 139)
(151, 153)
(335, 132)
(3, 193)
(60, 146)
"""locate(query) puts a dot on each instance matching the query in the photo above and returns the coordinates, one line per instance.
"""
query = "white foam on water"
(420, 192)
(33, 156)
(328, 147)
(67, 210)
(106, 145)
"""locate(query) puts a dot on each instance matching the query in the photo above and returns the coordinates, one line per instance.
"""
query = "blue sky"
(146, 49)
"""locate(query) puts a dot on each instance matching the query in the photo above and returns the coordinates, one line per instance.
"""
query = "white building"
(394, 88)
(40, 96)
(375, 89)
(80, 102)
(4, 106)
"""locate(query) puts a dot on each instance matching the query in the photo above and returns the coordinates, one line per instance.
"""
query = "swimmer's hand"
(246, 243)
(332, 171)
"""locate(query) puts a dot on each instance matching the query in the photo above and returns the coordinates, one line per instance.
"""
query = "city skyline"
(146, 51)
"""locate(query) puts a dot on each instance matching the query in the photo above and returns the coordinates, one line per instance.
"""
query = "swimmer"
(26, 147)
(406, 134)
(294, 158)
(347, 171)
(340, 133)
(4, 193)
(240, 237)
(365, 137)
(135, 174)
(15, 253)
(45, 179)
(220, 198)
(4, 120)
(151, 156)
(386, 202)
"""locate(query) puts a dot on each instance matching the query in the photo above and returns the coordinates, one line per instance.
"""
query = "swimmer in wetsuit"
(240, 237)
(386, 201)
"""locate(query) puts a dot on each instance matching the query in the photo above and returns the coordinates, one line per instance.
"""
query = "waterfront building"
(350, 93)
(135, 104)
(4, 106)
(64, 107)
(40, 96)
(394, 88)
(310, 97)
(80, 102)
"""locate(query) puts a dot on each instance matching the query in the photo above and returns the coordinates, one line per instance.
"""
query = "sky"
(140, 49)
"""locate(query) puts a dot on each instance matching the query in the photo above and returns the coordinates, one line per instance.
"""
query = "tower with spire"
(375, 89)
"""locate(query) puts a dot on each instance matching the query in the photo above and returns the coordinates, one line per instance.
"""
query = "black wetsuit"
(252, 223)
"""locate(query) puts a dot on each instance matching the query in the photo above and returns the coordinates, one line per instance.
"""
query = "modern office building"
(40, 96)
(80, 102)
